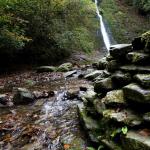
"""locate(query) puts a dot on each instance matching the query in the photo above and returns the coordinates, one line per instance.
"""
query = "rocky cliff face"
(116, 113)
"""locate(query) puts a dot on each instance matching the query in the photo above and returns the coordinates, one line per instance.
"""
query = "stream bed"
(47, 124)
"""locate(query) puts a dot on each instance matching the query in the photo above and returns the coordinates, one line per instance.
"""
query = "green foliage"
(123, 21)
(122, 130)
(63, 25)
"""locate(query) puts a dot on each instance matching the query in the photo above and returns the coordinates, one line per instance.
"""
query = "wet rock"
(136, 57)
(136, 93)
(94, 74)
(72, 94)
(146, 117)
(142, 42)
(69, 73)
(89, 123)
(109, 57)
(23, 96)
(46, 69)
(110, 144)
(112, 65)
(43, 94)
(89, 95)
(135, 69)
(115, 98)
(104, 75)
(99, 105)
(143, 79)
(65, 67)
(102, 63)
(120, 50)
(3, 100)
(125, 116)
(135, 141)
(138, 44)
(121, 79)
(104, 85)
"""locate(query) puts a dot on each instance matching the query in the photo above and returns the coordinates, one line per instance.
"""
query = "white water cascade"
(103, 29)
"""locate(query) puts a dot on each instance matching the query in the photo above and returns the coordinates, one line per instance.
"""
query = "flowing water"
(103, 28)
(48, 124)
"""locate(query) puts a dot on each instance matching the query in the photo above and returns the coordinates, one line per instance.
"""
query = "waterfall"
(103, 29)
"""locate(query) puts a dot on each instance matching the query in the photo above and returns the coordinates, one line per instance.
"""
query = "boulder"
(46, 69)
(89, 123)
(69, 73)
(102, 63)
(104, 85)
(104, 75)
(125, 116)
(135, 69)
(120, 50)
(136, 57)
(3, 100)
(93, 74)
(115, 98)
(23, 96)
(89, 95)
(142, 42)
(112, 65)
(65, 67)
(121, 79)
(143, 80)
(135, 140)
(136, 93)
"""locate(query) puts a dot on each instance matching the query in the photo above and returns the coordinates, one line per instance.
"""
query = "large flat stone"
(120, 50)
(125, 116)
(143, 79)
(136, 93)
(94, 74)
(121, 79)
(136, 57)
(135, 140)
(135, 69)
(115, 98)
(104, 85)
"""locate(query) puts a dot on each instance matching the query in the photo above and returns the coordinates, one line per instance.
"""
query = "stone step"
(135, 69)
(136, 140)
(119, 51)
(143, 80)
(136, 57)
(136, 93)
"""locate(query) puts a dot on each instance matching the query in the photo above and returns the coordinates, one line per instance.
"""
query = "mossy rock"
(138, 58)
(115, 98)
(125, 116)
(143, 80)
(135, 93)
(104, 85)
(65, 67)
(136, 141)
(94, 74)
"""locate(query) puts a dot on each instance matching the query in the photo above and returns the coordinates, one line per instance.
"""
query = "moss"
(146, 38)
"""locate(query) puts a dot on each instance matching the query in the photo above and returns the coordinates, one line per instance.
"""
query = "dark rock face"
(138, 44)
(120, 50)
(137, 58)
(23, 96)
(137, 94)
(143, 80)
(121, 79)
(104, 85)
(122, 99)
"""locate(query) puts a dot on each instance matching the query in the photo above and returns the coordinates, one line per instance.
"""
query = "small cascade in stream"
(103, 29)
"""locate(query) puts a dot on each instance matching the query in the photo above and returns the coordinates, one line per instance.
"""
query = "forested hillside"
(45, 31)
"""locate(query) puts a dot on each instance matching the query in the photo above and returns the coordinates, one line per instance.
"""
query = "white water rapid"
(103, 29)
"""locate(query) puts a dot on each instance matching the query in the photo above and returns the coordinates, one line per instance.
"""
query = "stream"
(48, 123)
